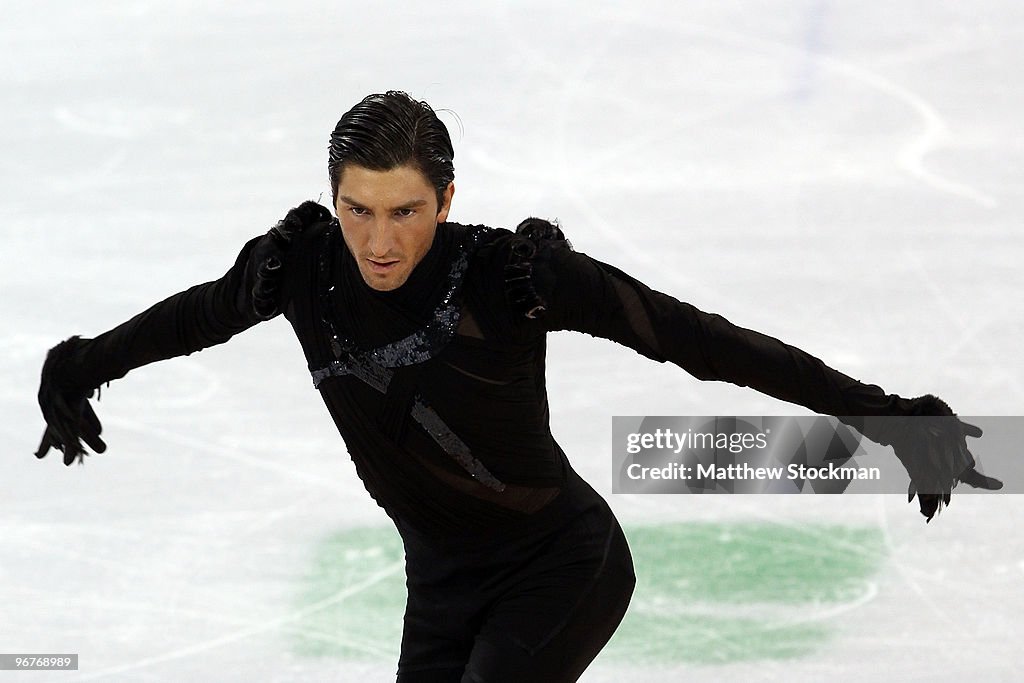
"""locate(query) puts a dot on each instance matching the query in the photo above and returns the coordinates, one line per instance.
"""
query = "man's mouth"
(381, 266)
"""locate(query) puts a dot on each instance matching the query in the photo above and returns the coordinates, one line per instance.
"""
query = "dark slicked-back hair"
(391, 129)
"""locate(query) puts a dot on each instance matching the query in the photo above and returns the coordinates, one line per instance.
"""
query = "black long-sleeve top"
(438, 387)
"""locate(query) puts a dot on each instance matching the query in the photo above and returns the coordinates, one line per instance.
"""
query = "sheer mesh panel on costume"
(517, 497)
(467, 325)
(636, 314)
(467, 373)
(468, 328)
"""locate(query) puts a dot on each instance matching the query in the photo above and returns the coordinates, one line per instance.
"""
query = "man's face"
(388, 220)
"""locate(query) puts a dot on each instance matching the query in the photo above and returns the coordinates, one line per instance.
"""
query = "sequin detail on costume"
(374, 367)
(374, 374)
(379, 377)
(426, 342)
(448, 440)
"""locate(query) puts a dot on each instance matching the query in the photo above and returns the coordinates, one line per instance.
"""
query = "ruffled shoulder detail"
(531, 236)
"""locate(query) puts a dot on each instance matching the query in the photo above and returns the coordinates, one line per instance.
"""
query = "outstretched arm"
(200, 317)
(587, 295)
(584, 294)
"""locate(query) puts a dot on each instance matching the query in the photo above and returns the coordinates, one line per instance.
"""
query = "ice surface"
(844, 176)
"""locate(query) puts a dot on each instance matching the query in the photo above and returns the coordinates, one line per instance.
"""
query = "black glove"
(269, 254)
(931, 443)
(69, 417)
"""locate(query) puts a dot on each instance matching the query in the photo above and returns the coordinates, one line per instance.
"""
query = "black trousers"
(537, 608)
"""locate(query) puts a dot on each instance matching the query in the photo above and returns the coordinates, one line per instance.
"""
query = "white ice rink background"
(844, 176)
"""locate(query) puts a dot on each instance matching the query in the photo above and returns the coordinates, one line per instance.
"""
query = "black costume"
(515, 565)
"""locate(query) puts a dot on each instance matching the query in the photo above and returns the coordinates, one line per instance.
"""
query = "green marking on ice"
(706, 593)
(714, 593)
(356, 585)
(747, 562)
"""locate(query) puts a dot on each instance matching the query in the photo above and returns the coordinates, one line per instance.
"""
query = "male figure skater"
(426, 340)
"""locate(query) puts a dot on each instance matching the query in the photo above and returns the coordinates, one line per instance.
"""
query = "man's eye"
(405, 213)
(356, 210)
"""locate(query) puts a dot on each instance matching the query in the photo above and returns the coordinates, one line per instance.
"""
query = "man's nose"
(382, 238)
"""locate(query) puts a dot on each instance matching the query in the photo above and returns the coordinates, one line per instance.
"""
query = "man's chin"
(384, 283)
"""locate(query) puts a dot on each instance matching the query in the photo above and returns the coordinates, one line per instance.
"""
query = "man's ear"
(442, 214)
